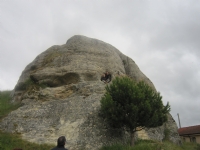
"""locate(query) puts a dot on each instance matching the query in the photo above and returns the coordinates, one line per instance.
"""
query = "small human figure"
(103, 78)
(60, 144)
(108, 77)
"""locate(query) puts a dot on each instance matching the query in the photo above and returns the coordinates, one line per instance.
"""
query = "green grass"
(152, 145)
(10, 141)
(5, 105)
(190, 146)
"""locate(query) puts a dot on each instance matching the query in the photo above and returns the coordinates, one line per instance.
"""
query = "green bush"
(5, 103)
(166, 133)
(132, 104)
(197, 147)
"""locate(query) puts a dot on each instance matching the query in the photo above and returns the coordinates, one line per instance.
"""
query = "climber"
(103, 78)
(108, 77)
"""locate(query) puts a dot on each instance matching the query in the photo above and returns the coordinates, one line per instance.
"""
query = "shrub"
(129, 104)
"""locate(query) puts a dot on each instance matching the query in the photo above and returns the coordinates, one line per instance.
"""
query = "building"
(190, 134)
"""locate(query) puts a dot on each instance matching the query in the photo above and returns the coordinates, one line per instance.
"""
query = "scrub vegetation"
(10, 141)
(132, 105)
(152, 145)
(5, 103)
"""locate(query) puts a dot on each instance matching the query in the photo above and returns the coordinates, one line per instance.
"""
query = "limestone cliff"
(61, 91)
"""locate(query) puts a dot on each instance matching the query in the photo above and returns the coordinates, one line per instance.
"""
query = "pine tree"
(131, 104)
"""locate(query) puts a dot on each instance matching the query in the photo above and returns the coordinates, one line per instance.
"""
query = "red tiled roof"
(189, 130)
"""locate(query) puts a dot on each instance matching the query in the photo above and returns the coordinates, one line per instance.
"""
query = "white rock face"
(61, 91)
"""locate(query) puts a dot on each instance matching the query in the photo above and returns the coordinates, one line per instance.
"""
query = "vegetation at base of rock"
(5, 103)
(10, 141)
(166, 133)
(152, 145)
(132, 105)
(197, 147)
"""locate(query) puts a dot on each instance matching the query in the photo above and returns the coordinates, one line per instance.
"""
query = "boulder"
(61, 92)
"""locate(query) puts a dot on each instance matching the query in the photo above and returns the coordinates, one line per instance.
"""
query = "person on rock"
(103, 78)
(106, 77)
(60, 144)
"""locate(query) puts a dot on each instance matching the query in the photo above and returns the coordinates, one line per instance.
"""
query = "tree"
(128, 105)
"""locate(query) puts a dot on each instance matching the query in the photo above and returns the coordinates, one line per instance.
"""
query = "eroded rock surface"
(61, 91)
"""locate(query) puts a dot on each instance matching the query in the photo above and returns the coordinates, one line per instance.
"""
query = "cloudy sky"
(162, 37)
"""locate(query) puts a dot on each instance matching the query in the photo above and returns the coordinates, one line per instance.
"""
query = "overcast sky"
(162, 37)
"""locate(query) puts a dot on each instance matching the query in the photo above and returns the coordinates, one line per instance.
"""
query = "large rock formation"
(61, 91)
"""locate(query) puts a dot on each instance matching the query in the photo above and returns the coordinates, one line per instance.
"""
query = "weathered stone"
(161, 132)
(61, 91)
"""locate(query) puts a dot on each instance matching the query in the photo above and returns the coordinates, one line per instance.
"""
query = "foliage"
(148, 145)
(131, 104)
(29, 84)
(10, 141)
(189, 146)
(166, 133)
(151, 145)
(197, 147)
(5, 103)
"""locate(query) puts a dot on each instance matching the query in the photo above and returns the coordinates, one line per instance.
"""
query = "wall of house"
(198, 139)
(187, 138)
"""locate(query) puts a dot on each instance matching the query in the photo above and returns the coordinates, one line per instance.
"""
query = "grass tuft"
(10, 141)
(5, 103)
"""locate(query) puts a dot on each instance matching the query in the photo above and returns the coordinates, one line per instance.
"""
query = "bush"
(197, 147)
(5, 103)
(128, 104)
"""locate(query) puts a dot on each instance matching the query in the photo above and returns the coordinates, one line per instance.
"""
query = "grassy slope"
(153, 145)
(10, 141)
(5, 105)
